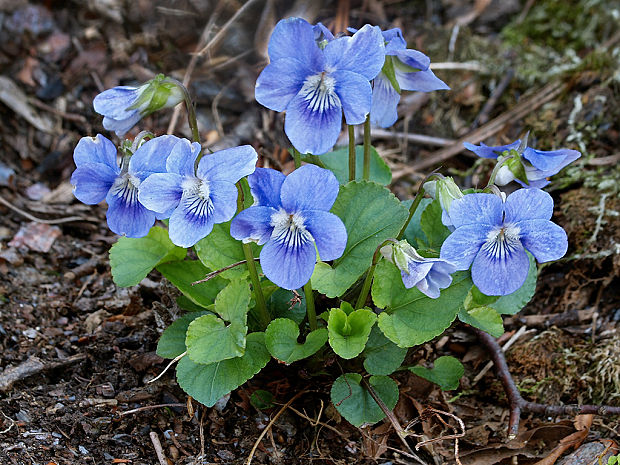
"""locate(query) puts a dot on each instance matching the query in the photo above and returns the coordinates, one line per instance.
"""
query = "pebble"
(83, 450)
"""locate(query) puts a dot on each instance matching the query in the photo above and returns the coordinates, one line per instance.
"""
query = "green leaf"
(348, 333)
(414, 234)
(281, 341)
(186, 304)
(355, 403)
(513, 303)
(262, 399)
(411, 318)
(338, 162)
(382, 356)
(431, 224)
(371, 214)
(219, 249)
(484, 318)
(446, 373)
(172, 341)
(475, 299)
(208, 383)
(209, 340)
(285, 304)
(131, 259)
(232, 302)
(183, 273)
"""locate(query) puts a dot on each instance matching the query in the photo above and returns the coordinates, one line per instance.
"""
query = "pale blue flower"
(314, 79)
(99, 177)
(492, 237)
(538, 164)
(291, 217)
(197, 201)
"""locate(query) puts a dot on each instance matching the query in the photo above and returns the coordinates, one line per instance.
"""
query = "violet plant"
(377, 275)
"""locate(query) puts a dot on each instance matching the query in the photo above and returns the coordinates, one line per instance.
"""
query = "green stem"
(352, 157)
(261, 305)
(310, 310)
(296, 157)
(366, 172)
(361, 300)
(416, 202)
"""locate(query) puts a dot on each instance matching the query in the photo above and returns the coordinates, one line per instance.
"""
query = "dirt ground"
(78, 353)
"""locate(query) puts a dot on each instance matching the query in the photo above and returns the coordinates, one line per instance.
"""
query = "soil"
(78, 353)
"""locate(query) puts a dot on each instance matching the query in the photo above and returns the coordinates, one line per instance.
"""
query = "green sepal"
(389, 72)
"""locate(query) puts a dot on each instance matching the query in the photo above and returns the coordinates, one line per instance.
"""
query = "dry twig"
(518, 404)
(158, 449)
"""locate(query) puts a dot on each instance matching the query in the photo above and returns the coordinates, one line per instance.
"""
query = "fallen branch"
(518, 404)
(33, 366)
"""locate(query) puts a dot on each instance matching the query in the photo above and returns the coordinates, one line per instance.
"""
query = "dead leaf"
(36, 236)
(13, 97)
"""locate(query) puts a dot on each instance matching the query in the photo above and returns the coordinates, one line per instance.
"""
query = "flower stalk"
(351, 152)
(361, 300)
(296, 157)
(416, 202)
(366, 172)
(310, 310)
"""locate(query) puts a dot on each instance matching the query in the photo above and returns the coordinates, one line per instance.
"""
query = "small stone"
(83, 450)
(23, 416)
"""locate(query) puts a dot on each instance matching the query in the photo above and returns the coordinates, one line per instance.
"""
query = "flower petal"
(395, 40)
(355, 93)
(421, 81)
(279, 82)
(96, 149)
(412, 58)
(161, 192)
(363, 53)
(384, 102)
(288, 267)
(550, 162)
(528, 204)
(114, 103)
(460, 247)
(228, 165)
(502, 275)
(92, 181)
(328, 231)
(224, 197)
(191, 220)
(476, 209)
(486, 151)
(126, 216)
(417, 271)
(183, 157)
(312, 127)
(151, 156)
(121, 126)
(545, 240)
(253, 224)
(294, 38)
(309, 188)
(265, 184)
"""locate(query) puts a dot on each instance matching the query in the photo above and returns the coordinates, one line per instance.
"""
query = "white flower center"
(126, 187)
(318, 91)
(502, 241)
(196, 187)
(289, 229)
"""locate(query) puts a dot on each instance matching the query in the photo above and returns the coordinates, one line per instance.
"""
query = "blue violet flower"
(197, 201)
(123, 106)
(99, 177)
(538, 164)
(404, 69)
(291, 217)
(493, 235)
(429, 275)
(314, 79)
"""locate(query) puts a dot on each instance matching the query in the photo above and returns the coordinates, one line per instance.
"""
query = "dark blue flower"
(98, 176)
(195, 202)
(429, 275)
(291, 217)
(123, 106)
(314, 85)
(404, 69)
(538, 164)
(492, 236)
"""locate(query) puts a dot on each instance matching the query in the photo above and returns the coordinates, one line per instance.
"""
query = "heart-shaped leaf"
(131, 259)
(382, 356)
(484, 318)
(172, 341)
(446, 373)
(210, 340)
(281, 340)
(348, 333)
(183, 273)
(371, 214)
(338, 162)
(208, 383)
(355, 403)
